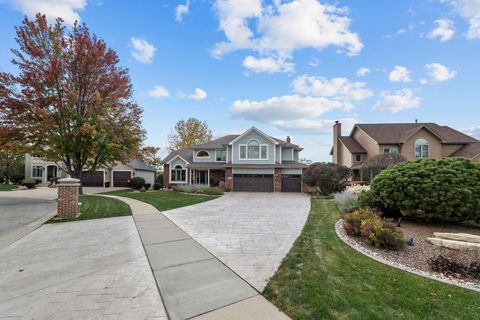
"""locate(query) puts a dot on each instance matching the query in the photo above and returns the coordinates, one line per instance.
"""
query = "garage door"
(120, 178)
(92, 179)
(291, 183)
(253, 182)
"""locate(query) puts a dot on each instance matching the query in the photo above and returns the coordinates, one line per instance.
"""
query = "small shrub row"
(199, 189)
(368, 224)
(450, 266)
(30, 183)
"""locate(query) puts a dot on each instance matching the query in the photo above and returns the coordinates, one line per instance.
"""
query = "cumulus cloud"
(182, 10)
(335, 88)
(143, 51)
(159, 92)
(268, 65)
(282, 28)
(472, 131)
(362, 71)
(438, 72)
(199, 94)
(397, 101)
(444, 30)
(399, 74)
(470, 11)
(52, 9)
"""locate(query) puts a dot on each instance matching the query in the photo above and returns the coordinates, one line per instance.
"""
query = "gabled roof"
(471, 151)
(217, 143)
(398, 133)
(140, 165)
(352, 145)
(257, 131)
(185, 153)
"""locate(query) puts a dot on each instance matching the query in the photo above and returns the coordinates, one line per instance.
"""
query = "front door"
(51, 172)
(202, 177)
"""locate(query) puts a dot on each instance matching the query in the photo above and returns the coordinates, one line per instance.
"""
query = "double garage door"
(264, 183)
(96, 179)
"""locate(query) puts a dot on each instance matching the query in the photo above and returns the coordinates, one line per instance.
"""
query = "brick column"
(277, 180)
(229, 178)
(68, 191)
(304, 185)
(166, 176)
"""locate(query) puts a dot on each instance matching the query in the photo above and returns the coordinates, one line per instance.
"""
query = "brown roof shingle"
(352, 145)
(471, 151)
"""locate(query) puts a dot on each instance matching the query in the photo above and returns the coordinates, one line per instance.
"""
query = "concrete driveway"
(250, 232)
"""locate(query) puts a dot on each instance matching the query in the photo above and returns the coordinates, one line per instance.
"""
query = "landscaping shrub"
(429, 189)
(450, 266)
(38, 181)
(159, 178)
(137, 183)
(147, 186)
(353, 220)
(326, 178)
(17, 178)
(387, 237)
(157, 186)
(199, 189)
(347, 202)
(29, 183)
(376, 164)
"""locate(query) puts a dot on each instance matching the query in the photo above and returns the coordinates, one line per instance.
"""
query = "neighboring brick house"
(252, 161)
(411, 140)
(112, 176)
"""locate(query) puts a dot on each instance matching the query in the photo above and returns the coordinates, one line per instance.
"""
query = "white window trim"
(421, 149)
(177, 156)
(226, 154)
(390, 148)
(260, 145)
(179, 181)
(201, 157)
(42, 169)
(355, 157)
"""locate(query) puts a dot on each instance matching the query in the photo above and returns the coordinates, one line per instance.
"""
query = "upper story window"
(254, 150)
(358, 157)
(203, 154)
(421, 148)
(390, 150)
(220, 155)
(178, 174)
(37, 171)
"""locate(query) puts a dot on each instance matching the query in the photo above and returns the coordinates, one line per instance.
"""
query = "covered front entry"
(253, 182)
(291, 183)
(93, 179)
(51, 172)
(121, 179)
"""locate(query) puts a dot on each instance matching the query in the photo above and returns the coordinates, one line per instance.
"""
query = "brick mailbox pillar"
(68, 191)
(277, 180)
(229, 178)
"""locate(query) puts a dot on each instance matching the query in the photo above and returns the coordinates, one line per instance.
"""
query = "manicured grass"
(96, 207)
(7, 187)
(163, 200)
(323, 278)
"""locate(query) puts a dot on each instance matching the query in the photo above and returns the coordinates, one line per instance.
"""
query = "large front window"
(178, 174)
(254, 150)
(37, 171)
(421, 148)
(220, 155)
(390, 150)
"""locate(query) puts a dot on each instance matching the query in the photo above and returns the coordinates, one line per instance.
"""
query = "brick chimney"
(288, 139)
(337, 133)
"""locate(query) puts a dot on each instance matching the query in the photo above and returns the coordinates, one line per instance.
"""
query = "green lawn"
(323, 278)
(96, 207)
(163, 200)
(7, 187)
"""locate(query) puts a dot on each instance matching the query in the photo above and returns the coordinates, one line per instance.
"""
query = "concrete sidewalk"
(192, 281)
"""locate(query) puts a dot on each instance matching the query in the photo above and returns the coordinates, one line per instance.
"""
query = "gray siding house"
(252, 161)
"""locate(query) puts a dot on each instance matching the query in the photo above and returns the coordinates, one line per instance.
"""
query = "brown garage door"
(291, 183)
(92, 179)
(253, 182)
(120, 178)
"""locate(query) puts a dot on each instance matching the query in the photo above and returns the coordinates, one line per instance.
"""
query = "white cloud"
(199, 94)
(469, 10)
(399, 74)
(423, 81)
(282, 28)
(472, 131)
(438, 72)
(335, 88)
(397, 101)
(313, 126)
(182, 10)
(268, 65)
(143, 51)
(444, 30)
(52, 9)
(159, 92)
(314, 63)
(362, 71)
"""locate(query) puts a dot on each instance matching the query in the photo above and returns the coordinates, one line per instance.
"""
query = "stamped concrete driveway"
(250, 232)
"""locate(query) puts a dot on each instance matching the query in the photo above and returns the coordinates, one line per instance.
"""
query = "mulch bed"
(417, 255)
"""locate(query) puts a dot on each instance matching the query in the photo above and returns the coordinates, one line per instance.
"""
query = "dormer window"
(253, 150)
(203, 154)
(421, 149)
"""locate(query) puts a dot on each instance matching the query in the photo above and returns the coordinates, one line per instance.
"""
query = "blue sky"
(286, 67)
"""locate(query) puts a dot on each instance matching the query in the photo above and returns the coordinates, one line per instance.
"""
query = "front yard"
(163, 200)
(323, 278)
(7, 187)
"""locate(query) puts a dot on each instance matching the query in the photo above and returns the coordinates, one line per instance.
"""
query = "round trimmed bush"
(29, 183)
(445, 190)
(137, 183)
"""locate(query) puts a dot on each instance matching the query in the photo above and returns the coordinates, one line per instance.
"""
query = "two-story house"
(251, 161)
(411, 140)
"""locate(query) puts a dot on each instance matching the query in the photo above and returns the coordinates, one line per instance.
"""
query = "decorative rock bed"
(412, 259)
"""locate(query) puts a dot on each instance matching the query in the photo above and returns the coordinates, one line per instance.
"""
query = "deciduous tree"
(188, 133)
(150, 156)
(71, 102)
